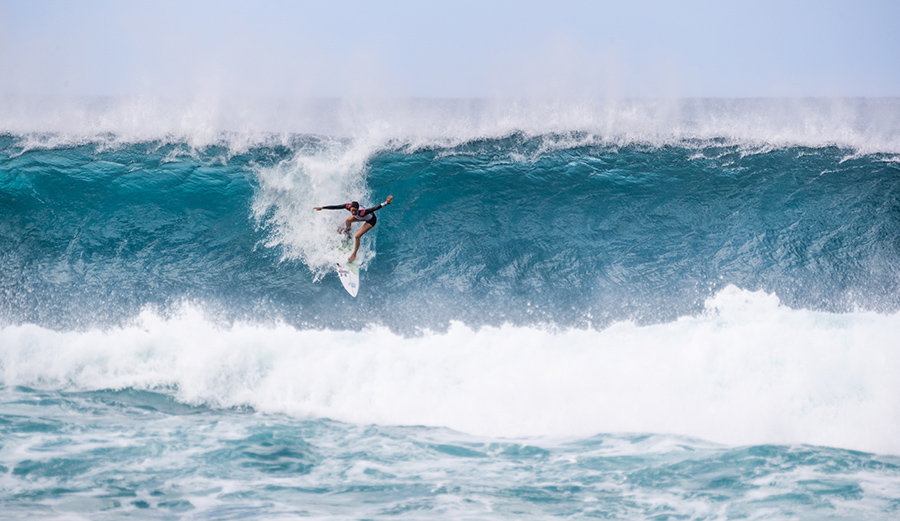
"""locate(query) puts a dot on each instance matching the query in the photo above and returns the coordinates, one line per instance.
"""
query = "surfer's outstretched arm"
(386, 202)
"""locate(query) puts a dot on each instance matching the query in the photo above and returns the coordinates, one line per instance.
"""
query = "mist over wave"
(867, 125)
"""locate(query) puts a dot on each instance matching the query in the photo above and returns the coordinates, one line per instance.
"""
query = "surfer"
(358, 214)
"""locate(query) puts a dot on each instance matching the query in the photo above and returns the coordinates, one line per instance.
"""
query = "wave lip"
(747, 371)
(866, 125)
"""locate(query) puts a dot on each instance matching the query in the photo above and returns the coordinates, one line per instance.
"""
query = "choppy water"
(107, 455)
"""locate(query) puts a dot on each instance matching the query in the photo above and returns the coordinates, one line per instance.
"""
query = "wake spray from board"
(328, 171)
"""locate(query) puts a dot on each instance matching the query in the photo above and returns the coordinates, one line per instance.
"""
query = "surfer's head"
(354, 207)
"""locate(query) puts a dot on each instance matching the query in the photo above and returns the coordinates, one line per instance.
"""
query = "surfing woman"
(358, 214)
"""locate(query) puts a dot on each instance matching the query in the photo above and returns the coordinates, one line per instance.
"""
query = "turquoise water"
(513, 230)
(107, 455)
(695, 321)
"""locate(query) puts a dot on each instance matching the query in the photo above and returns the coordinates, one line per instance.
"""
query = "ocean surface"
(633, 310)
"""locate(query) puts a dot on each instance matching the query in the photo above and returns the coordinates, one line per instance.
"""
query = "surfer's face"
(354, 211)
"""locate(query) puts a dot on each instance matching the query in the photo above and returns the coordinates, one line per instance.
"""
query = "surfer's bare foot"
(352, 258)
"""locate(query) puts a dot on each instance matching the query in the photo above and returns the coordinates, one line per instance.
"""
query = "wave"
(551, 229)
(748, 370)
(524, 283)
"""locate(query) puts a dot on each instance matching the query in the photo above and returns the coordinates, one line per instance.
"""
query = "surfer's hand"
(388, 200)
(317, 208)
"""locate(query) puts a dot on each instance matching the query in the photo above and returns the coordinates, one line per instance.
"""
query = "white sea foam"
(748, 370)
(863, 125)
(331, 173)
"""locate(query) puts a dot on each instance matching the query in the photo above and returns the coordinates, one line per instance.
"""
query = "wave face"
(632, 312)
(554, 229)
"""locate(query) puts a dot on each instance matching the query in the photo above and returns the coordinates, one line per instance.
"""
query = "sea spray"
(746, 371)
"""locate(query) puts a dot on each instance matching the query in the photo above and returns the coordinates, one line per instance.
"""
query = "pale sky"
(457, 49)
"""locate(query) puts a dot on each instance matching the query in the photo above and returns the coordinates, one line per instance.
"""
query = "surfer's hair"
(354, 204)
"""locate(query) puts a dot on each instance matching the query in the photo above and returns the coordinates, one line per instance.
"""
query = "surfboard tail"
(349, 275)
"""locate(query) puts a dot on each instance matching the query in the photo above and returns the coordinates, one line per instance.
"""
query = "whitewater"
(634, 309)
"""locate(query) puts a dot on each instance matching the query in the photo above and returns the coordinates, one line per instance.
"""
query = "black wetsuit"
(366, 215)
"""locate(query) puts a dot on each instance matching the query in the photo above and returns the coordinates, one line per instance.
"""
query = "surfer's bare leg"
(362, 231)
(350, 220)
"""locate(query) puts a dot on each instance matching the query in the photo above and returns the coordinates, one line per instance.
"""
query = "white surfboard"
(348, 271)
(349, 274)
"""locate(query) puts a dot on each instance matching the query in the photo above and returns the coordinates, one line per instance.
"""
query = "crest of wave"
(864, 125)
